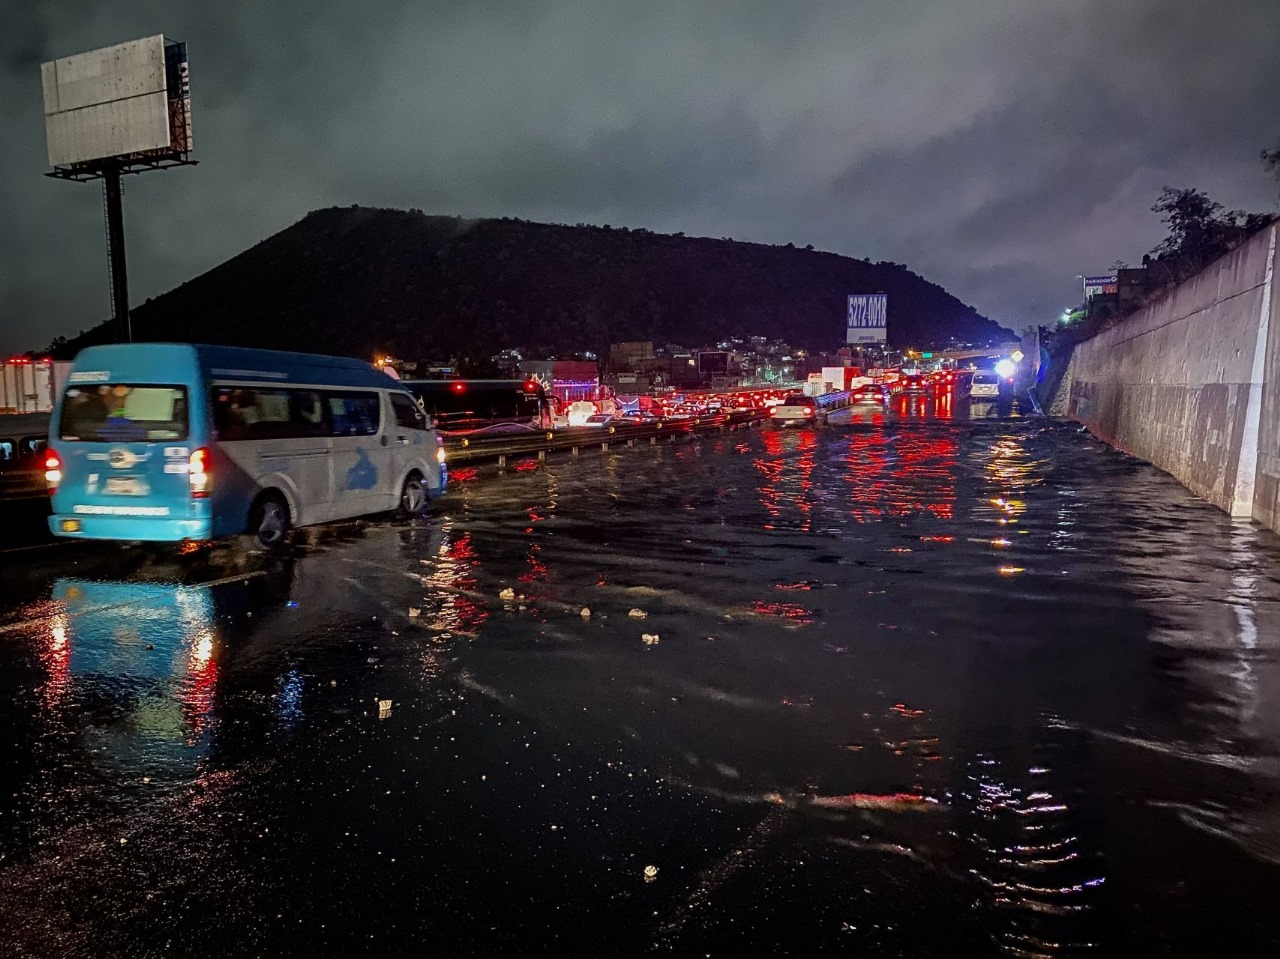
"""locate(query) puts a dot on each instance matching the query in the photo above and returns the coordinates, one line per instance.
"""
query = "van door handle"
(402, 440)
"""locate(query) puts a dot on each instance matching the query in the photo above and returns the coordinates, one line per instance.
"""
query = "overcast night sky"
(997, 147)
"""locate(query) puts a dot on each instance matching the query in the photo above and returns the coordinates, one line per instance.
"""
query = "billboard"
(129, 100)
(867, 318)
(711, 362)
(1101, 285)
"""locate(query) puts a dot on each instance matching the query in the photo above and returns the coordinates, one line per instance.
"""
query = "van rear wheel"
(413, 497)
(269, 521)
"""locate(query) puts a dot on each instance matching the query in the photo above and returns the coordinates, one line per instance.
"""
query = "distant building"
(629, 357)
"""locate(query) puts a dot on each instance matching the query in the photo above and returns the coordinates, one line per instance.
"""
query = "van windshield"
(987, 378)
(123, 413)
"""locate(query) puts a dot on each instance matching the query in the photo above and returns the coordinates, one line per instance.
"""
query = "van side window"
(307, 413)
(354, 414)
(408, 416)
(249, 414)
(32, 445)
(7, 451)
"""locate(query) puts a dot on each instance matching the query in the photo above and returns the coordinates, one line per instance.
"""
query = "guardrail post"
(573, 451)
(542, 456)
(502, 461)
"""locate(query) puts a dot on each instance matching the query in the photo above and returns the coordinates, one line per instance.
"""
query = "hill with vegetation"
(359, 281)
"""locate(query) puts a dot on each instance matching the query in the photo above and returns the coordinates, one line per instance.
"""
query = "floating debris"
(638, 614)
(650, 639)
(507, 593)
(414, 612)
(384, 709)
(585, 613)
(650, 873)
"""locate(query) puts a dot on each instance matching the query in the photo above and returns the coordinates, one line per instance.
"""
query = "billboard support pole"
(115, 253)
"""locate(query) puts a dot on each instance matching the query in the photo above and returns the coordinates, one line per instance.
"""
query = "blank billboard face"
(106, 103)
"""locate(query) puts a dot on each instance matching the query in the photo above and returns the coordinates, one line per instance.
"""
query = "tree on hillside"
(1200, 229)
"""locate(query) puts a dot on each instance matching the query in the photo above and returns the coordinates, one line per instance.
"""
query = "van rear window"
(123, 413)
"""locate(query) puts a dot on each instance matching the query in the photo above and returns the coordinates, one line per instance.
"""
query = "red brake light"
(52, 470)
(198, 474)
(459, 387)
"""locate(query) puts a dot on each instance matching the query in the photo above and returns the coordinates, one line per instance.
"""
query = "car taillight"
(198, 474)
(52, 470)
(440, 454)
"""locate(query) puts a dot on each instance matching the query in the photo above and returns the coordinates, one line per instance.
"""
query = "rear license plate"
(126, 486)
(69, 526)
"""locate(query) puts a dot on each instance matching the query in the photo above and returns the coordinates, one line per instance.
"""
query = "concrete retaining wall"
(1192, 382)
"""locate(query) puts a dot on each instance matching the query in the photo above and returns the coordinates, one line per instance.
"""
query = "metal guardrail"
(472, 449)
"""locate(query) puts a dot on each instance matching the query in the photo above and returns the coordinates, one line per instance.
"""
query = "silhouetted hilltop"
(357, 281)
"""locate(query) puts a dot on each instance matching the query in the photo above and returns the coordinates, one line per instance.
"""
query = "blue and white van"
(171, 442)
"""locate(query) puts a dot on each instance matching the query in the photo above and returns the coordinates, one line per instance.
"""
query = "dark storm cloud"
(998, 147)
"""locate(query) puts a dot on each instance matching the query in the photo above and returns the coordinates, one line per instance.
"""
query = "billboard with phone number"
(867, 318)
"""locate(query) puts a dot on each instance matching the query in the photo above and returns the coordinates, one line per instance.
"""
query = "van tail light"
(198, 474)
(440, 455)
(52, 471)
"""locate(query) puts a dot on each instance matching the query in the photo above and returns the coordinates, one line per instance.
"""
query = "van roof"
(153, 361)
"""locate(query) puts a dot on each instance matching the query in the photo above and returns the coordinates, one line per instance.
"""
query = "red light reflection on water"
(788, 611)
(788, 483)
(900, 474)
(197, 692)
(455, 578)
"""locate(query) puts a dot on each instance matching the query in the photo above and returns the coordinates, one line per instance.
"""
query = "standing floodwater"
(904, 689)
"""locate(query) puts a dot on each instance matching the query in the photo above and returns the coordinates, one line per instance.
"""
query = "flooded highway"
(894, 687)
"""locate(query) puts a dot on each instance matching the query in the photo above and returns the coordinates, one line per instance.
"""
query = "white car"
(985, 385)
(599, 419)
(795, 409)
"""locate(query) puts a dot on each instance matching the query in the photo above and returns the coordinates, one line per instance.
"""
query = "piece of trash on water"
(650, 873)
(371, 660)
(650, 639)
(637, 614)
(507, 593)
(414, 612)
(586, 612)
(123, 840)
(384, 709)
(333, 682)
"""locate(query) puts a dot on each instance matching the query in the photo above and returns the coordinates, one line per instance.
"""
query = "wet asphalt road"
(928, 688)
